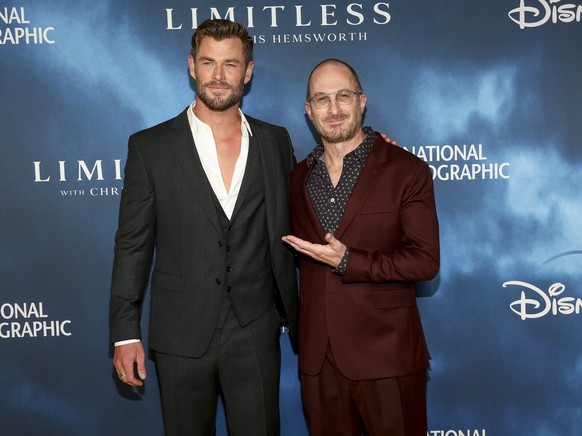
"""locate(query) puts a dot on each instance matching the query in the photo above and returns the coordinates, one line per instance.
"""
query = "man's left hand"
(331, 253)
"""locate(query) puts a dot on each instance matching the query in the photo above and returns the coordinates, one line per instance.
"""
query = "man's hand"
(125, 359)
(331, 253)
(390, 141)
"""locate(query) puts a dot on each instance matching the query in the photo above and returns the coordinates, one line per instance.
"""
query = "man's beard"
(334, 135)
(221, 103)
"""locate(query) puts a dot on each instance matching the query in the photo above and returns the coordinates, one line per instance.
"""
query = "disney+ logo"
(544, 11)
(535, 302)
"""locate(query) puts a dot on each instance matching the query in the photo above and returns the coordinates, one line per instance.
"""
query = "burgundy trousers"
(337, 406)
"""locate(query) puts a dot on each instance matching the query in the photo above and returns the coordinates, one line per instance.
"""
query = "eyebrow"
(231, 61)
(332, 92)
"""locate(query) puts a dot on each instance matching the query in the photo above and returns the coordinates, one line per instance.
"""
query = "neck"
(228, 118)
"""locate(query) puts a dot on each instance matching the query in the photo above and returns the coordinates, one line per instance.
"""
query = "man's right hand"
(125, 359)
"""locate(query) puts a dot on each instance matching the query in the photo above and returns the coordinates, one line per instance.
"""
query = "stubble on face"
(334, 134)
(220, 102)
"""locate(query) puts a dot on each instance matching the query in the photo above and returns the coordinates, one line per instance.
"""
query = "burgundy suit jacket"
(369, 316)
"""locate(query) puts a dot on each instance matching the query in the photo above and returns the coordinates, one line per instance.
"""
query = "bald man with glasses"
(365, 228)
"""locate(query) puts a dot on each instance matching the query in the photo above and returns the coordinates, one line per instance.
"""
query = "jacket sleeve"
(134, 245)
(417, 257)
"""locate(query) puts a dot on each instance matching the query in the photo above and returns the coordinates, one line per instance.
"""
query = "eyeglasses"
(343, 97)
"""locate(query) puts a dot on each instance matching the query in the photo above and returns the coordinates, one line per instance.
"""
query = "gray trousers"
(242, 365)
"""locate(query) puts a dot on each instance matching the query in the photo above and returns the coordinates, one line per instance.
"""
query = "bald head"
(324, 68)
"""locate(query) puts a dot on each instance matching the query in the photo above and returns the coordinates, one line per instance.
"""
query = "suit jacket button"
(228, 289)
(218, 281)
(220, 243)
(228, 268)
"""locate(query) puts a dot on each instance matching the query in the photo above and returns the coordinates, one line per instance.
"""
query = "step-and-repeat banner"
(489, 93)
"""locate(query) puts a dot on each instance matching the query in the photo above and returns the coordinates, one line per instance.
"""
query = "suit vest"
(249, 285)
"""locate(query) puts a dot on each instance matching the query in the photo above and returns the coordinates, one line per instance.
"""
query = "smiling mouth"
(337, 117)
(217, 86)
(336, 121)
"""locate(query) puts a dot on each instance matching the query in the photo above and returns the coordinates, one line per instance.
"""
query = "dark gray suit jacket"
(168, 216)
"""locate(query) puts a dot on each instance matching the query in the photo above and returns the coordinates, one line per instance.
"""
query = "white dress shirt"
(206, 147)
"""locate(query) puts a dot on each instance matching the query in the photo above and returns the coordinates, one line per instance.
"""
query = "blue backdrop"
(487, 92)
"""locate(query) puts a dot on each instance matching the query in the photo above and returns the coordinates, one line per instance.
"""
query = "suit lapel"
(310, 222)
(365, 184)
(188, 158)
(250, 168)
(267, 154)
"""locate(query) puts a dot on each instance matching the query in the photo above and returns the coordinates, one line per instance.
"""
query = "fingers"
(330, 254)
(126, 359)
(141, 371)
(331, 240)
(127, 375)
(387, 139)
(292, 240)
(295, 243)
(302, 246)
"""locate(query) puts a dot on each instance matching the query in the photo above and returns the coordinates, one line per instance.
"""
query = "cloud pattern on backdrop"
(430, 81)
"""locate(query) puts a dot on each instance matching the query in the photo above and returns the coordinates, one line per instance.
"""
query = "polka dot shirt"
(329, 202)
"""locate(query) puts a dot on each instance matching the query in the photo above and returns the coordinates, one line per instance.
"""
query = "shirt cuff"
(128, 341)
(341, 268)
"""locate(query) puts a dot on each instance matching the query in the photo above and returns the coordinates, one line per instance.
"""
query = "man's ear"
(363, 100)
(191, 67)
(308, 109)
(249, 72)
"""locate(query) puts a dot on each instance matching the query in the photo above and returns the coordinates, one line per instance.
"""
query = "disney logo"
(540, 303)
(532, 16)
